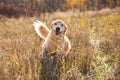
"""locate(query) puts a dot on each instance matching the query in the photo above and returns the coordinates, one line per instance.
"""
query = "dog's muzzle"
(57, 31)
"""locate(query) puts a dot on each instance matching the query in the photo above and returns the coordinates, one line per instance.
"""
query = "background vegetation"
(35, 7)
(94, 32)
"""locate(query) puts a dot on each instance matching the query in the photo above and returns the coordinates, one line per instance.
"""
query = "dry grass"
(95, 39)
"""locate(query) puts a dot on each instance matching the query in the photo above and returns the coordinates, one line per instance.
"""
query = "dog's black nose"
(57, 29)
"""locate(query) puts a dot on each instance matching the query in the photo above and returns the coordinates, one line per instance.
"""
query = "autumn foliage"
(35, 7)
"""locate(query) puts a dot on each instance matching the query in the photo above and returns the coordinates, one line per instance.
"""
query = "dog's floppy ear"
(51, 25)
(66, 27)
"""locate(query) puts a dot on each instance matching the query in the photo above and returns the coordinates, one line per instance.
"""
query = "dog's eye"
(55, 23)
(61, 24)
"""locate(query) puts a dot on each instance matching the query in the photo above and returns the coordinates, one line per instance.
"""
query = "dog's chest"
(54, 44)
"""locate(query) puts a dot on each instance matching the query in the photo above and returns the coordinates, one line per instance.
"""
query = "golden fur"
(55, 38)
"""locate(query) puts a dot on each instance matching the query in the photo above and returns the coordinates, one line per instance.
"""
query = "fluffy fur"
(55, 37)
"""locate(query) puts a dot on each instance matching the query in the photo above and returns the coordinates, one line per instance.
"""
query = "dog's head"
(59, 27)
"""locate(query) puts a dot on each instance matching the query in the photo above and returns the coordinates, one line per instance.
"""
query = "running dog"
(55, 38)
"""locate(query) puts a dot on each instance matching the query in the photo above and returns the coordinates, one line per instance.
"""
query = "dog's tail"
(41, 29)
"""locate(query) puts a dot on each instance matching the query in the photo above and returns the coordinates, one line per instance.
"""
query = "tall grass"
(95, 46)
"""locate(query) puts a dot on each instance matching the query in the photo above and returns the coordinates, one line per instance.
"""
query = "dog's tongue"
(57, 33)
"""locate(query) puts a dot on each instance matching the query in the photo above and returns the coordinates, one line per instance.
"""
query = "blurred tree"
(90, 4)
(52, 5)
(30, 7)
(74, 3)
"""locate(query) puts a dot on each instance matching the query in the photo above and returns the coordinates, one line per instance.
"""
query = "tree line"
(30, 7)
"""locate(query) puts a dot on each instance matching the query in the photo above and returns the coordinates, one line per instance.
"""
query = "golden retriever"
(55, 38)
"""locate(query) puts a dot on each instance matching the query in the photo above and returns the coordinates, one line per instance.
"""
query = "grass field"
(95, 39)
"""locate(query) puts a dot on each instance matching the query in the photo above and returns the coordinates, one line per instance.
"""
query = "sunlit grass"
(20, 46)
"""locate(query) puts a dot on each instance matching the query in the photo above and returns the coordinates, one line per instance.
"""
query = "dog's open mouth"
(57, 33)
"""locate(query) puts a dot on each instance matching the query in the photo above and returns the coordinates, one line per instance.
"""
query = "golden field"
(95, 39)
